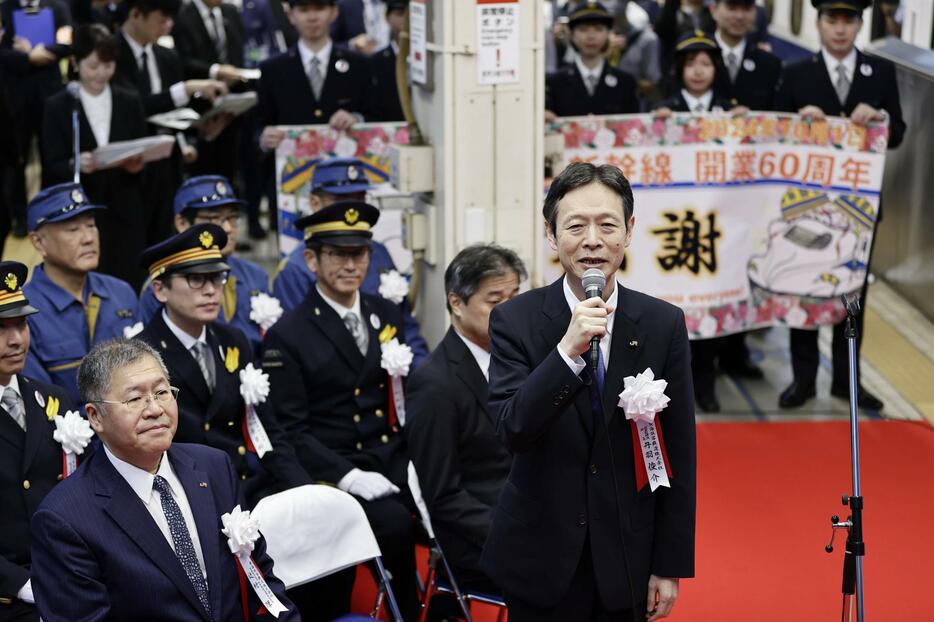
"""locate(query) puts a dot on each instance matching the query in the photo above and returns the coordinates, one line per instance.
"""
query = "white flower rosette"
(393, 286)
(643, 397)
(74, 433)
(242, 531)
(265, 310)
(396, 360)
(254, 388)
(131, 331)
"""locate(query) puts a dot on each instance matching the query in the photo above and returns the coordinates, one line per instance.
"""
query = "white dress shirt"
(587, 73)
(341, 309)
(141, 483)
(177, 91)
(694, 102)
(323, 55)
(577, 364)
(849, 65)
(479, 354)
(187, 340)
(99, 110)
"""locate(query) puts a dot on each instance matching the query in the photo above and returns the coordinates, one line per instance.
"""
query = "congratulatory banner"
(742, 222)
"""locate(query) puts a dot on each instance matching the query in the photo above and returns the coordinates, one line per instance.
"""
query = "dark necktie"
(597, 382)
(145, 85)
(220, 41)
(184, 548)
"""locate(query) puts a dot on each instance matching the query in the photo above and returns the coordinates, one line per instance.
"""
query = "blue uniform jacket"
(251, 280)
(59, 335)
(99, 555)
(294, 281)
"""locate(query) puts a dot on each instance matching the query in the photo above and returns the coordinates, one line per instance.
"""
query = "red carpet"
(765, 495)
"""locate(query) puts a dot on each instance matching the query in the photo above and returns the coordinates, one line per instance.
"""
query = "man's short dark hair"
(478, 262)
(169, 8)
(580, 174)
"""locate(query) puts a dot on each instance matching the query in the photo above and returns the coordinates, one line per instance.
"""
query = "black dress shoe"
(745, 369)
(864, 399)
(796, 395)
(707, 403)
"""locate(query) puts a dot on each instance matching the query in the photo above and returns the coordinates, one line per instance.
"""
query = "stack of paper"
(151, 148)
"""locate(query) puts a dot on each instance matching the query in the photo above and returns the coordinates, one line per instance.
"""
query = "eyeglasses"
(356, 255)
(198, 281)
(220, 220)
(162, 397)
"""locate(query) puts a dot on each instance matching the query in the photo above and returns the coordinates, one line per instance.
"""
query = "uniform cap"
(590, 11)
(345, 223)
(195, 250)
(13, 301)
(58, 203)
(340, 176)
(857, 6)
(205, 191)
(695, 42)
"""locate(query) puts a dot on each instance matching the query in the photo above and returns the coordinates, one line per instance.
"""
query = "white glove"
(25, 593)
(367, 484)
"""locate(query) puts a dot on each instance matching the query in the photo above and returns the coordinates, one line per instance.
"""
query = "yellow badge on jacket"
(389, 331)
(51, 407)
(232, 360)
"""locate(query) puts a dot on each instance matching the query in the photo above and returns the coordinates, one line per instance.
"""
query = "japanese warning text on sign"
(497, 41)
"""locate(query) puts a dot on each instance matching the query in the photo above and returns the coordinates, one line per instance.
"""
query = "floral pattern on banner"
(645, 130)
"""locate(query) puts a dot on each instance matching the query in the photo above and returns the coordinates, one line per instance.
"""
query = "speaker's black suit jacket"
(215, 418)
(332, 401)
(757, 80)
(35, 457)
(195, 46)
(461, 463)
(560, 490)
(807, 83)
(286, 98)
(567, 96)
(170, 70)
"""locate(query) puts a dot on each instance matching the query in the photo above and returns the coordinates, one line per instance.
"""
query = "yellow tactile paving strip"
(908, 370)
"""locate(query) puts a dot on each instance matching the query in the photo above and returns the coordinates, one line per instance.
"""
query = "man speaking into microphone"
(596, 520)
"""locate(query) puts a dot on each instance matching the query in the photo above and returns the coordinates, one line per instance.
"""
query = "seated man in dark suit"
(590, 85)
(315, 81)
(135, 533)
(30, 458)
(206, 356)
(331, 393)
(461, 464)
(589, 526)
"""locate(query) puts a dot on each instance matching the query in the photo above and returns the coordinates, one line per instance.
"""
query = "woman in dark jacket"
(106, 114)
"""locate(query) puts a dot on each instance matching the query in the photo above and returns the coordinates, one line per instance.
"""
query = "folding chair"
(315, 531)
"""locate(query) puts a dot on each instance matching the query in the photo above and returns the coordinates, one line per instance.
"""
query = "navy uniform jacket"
(759, 76)
(99, 555)
(30, 466)
(295, 280)
(560, 491)
(807, 82)
(59, 334)
(386, 94)
(566, 95)
(331, 400)
(215, 418)
(251, 279)
(286, 98)
(461, 463)
(677, 103)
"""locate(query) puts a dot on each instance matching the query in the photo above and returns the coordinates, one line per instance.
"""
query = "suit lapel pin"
(634, 343)
(202, 484)
(749, 64)
(317, 311)
(865, 69)
(374, 321)
(341, 65)
(40, 400)
(162, 343)
(611, 81)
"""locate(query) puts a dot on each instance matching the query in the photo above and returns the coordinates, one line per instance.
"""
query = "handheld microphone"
(73, 89)
(594, 281)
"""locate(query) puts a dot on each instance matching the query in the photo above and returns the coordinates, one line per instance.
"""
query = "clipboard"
(37, 27)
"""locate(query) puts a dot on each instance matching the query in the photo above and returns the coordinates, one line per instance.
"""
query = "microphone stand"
(855, 547)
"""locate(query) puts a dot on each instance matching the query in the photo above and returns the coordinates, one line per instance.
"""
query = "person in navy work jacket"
(341, 179)
(211, 199)
(80, 307)
(135, 533)
(578, 534)
(590, 85)
(30, 458)
(838, 81)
